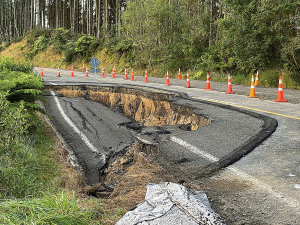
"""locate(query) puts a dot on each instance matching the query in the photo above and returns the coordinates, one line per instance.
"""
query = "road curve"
(260, 188)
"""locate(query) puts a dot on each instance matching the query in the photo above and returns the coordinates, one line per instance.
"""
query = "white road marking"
(69, 121)
(288, 200)
(194, 149)
(52, 83)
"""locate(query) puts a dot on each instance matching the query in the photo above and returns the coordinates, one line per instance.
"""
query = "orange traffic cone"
(188, 84)
(168, 79)
(114, 73)
(229, 89)
(146, 77)
(126, 77)
(208, 83)
(280, 92)
(256, 79)
(252, 90)
(86, 72)
(132, 76)
(58, 73)
(179, 74)
(103, 75)
(72, 72)
(83, 68)
(42, 72)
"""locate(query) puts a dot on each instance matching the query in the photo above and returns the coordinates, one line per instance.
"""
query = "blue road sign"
(94, 63)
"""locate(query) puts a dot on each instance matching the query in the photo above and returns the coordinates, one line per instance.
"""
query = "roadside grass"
(49, 209)
(40, 186)
(38, 183)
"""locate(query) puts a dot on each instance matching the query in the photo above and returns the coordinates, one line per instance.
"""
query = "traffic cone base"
(283, 100)
(252, 93)
(208, 87)
(230, 92)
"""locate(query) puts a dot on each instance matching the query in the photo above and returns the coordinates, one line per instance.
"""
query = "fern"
(20, 86)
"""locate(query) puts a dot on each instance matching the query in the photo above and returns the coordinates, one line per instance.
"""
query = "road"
(261, 187)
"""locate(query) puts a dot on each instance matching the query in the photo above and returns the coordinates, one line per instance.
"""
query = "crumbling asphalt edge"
(269, 126)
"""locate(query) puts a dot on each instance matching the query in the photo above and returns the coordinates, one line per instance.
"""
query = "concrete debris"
(170, 203)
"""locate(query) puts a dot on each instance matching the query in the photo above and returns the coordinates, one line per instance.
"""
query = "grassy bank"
(38, 185)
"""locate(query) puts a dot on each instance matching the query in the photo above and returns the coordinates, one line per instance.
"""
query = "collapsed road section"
(188, 137)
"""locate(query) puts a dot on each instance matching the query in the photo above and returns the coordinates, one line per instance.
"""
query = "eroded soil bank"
(147, 108)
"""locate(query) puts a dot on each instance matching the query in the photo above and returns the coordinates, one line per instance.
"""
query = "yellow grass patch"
(17, 51)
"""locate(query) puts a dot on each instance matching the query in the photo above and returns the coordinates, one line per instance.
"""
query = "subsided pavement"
(260, 188)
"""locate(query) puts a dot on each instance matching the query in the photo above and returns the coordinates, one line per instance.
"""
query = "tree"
(253, 33)
(172, 33)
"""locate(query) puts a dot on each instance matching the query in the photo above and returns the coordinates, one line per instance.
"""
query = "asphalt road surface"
(260, 188)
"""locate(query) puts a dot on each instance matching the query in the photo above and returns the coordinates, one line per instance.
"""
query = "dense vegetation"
(32, 190)
(219, 36)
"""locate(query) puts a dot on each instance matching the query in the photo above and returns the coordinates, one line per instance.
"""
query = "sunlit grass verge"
(26, 166)
(36, 175)
(50, 209)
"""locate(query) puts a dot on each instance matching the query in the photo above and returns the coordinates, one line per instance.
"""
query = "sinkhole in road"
(149, 108)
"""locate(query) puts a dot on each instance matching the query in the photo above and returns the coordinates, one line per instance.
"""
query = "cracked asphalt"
(101, 129)
(262, 186)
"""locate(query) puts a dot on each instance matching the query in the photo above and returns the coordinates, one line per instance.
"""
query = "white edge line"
(194, 149)
(69, 121)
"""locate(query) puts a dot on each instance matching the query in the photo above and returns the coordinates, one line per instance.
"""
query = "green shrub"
(39, 45)
(268, 78)
(23, 170)
(22, 87)
(9, 64)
